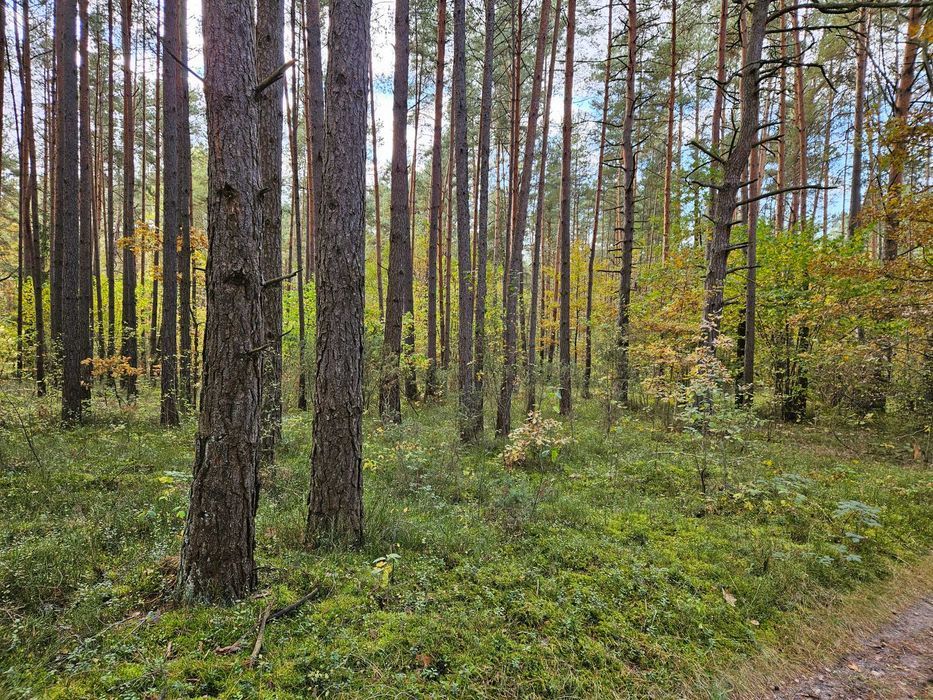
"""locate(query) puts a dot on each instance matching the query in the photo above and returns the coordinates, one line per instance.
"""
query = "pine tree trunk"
(217, 549)
(270, 56)
(377, 204)
(481, 240)
(434, 215)
(470, 420)
(335, 503)
(517, 241)
(185, 391)
(858, 119)
(565, 204)
(537, 278)
(128, 344)
(390, 408)
(86, 204)
(669, 155)
(315, 88)
(588, 351)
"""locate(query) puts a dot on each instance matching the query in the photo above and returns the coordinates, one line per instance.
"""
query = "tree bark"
(377, 204)
(390, 408)
(270, 56)
(315, 88)
(86, 206)
(565, 204)
(470, 421)
(669, 144)
(858, 120)
(217, 550)
(66, 208)
(185, 391)
(588, 351)
(537, 281)
(335, 503)
(128, 343)
(434, 215)
(517, 241)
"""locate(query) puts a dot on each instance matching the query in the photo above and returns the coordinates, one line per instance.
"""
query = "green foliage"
(608, 573)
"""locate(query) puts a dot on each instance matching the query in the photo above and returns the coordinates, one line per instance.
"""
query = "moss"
(608, 574)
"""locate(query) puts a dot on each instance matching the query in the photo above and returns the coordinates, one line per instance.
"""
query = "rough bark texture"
(669, 143)
(217, 550)
(471, 422)
(628, 210)
(66, 206)
(565, 205)
(128, 343)
(270, 55)
(185, 380)
(517, 242)
(315, 88)
(591, 262)
(171, 204)
(335, 502)
(537, 243)
(85, 208)
(390, 408)
(482, 212)
(434, 215)
(733, 171)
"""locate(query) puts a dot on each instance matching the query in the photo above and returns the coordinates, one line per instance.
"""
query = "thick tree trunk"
(217, 550)
(471, 422)
(128, 343)
(591, 262)
(565, 189)
(270, 56)
(74, 324)
(335, 503)
(537, 281)
(86, 206)
(390, 408)
(517, 242)
(434, 215)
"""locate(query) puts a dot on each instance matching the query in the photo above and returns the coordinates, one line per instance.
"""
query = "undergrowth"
(617, 566)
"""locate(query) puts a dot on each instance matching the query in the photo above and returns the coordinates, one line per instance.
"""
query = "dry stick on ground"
(257, 646)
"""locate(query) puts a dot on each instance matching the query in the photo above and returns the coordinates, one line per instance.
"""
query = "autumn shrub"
(536, 444)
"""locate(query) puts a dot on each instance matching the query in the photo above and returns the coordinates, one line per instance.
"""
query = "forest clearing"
(434, 348)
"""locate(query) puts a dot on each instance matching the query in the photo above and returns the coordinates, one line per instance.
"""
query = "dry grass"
(807, 641)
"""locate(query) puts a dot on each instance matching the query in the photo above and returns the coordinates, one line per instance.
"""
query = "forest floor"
(604, 571)
(896, 663)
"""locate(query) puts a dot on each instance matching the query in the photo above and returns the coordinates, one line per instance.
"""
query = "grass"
(607, 573)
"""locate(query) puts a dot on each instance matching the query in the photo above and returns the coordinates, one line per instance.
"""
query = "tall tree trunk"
(128, 343)
(781, 177)
(565, 189)
(390, 408)
(217, 549)
(270, 56)
(315, 88)
(799, 199)
(86, 206)
(74, 324)
(628, 209)
(669, 144)
(110, 247)
(858, 120)
(470, 421)
(30, 210)
(481, 241)
(157, 198)
(519, 221)
(377, 204)
(901, 108)
(171, 210)
(733, 170)
(184, 211)
(538, 244)
(590, 268)
(335, 503)
(434, 216)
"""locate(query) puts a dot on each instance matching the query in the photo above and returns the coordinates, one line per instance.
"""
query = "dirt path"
(894, 663)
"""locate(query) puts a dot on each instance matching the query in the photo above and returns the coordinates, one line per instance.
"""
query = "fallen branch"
(257, 647)
(289, 609)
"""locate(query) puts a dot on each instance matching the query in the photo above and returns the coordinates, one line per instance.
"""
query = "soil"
(894, 663)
